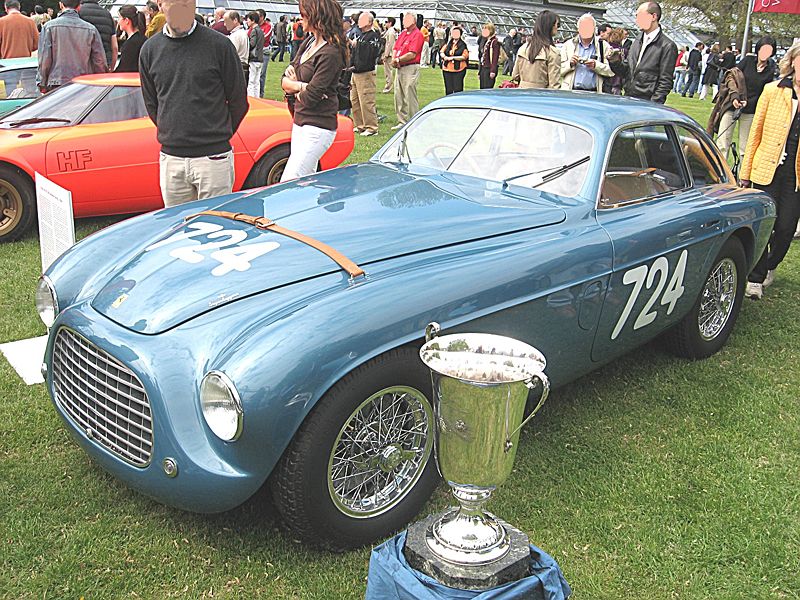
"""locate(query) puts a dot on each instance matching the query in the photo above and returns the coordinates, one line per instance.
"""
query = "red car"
(94, 138)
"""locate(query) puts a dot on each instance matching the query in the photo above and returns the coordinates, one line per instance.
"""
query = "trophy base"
(512, 566)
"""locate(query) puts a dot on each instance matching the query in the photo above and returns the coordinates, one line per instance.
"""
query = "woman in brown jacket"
(311, 85)
(772, 163)
(490, 56)
(538, 63)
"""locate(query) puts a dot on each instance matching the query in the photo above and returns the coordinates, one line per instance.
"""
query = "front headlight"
(46, 301)
(222, 408)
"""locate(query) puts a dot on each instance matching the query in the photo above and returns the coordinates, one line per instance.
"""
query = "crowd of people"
(332, 71)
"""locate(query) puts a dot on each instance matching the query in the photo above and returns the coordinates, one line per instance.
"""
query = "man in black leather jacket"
(650, 67)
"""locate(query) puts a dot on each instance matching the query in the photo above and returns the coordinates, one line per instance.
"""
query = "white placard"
(56, 225)
(26, 357)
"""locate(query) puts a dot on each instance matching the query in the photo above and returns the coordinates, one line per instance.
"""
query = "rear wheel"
(269, 168)
(17, 204)
(360, 466)
(708, 325)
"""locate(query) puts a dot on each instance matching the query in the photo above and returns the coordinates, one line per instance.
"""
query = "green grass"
(650, 478)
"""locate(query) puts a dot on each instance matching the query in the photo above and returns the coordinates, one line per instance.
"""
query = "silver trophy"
(480, 388)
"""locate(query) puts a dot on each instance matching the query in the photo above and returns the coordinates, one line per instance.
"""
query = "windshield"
(61, 107)
(496, 145)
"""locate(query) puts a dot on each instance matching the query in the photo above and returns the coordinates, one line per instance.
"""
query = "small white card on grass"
(26, 357)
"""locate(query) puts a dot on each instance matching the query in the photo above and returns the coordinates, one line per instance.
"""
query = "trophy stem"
(467, 535)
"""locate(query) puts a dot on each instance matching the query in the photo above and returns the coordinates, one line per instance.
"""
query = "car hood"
(368, 212)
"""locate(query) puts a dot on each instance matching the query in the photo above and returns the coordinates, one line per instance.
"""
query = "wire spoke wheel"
(380, 452)
(717, 299)
(10, 206)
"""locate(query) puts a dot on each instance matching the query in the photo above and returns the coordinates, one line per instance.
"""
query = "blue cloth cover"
(391, 578)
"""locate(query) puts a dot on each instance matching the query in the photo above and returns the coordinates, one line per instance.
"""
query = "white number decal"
(196, 228)
(191, 254)
(236, 258)
(644, 276)
(660, 266)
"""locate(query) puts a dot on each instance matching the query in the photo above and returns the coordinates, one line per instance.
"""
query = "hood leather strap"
(268, 224)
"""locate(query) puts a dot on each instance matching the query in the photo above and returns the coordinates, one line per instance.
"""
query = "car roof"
(16, 63)
(123, 79)
(600, 113)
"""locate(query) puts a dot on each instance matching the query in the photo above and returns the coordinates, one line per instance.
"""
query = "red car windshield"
(60, 108)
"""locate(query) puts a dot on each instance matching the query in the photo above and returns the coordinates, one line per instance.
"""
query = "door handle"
(710, 224)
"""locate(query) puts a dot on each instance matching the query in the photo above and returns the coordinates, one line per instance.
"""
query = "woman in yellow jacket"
(772, 163)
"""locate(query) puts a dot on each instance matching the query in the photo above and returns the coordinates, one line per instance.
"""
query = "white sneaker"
(367, 133)
(356, 130)
(769, 278)
(398, 126)
(754, 290)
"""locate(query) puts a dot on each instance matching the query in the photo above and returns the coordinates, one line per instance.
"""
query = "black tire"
(688, 339)
(268, 169)
(17, 204)
(303, 484)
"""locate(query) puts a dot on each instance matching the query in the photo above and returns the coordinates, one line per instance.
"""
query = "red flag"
(777, 6)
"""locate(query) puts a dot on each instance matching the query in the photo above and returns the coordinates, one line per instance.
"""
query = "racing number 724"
(643, 276)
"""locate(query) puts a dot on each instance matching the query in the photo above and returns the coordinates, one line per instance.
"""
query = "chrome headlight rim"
(227, 382)
(44, 279)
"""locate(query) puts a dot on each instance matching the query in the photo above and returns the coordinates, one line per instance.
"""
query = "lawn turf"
(653, 477)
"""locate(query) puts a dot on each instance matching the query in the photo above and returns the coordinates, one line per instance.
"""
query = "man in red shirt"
(266, 27)
(407, 52)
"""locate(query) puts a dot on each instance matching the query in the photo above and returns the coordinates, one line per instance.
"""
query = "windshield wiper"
(33, 120)
(554, 172)
(403, 148)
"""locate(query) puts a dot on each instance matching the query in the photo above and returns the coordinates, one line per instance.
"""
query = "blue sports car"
(200, 351)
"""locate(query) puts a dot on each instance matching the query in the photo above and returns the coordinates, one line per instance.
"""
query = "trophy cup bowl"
(480, 388)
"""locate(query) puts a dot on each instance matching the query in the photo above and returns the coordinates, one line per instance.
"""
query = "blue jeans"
(692, 83)
(680, 78)
(264, 72)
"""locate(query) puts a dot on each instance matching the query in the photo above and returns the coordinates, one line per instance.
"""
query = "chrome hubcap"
(717, 299)
(10, 206)
(276, 172)
(380, 452)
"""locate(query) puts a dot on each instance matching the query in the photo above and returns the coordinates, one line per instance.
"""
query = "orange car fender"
(20, 162)
(273, 141)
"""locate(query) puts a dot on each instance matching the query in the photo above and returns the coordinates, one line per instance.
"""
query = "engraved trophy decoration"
(480, 388)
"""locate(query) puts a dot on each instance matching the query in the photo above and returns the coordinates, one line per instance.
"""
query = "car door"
(662, 228)
(109, 161)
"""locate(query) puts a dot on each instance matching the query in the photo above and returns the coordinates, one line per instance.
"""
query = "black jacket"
(652, 78)
(364, 55)
(695, 61)
(91, 12)
(256, 39)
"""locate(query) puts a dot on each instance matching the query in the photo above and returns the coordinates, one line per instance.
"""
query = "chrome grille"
(103, 397)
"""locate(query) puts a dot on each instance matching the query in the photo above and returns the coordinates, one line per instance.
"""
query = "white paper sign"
(56, 225)
(26, 357)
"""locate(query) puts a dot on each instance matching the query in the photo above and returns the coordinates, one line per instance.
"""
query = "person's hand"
(492, 75)
(591, 64)
(395, 63)
(290, 73)
(739, 104)
(573, 62)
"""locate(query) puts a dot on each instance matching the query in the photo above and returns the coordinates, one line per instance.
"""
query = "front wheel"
(17, 204)
(269, 168)
(708, 325)
(360, 466)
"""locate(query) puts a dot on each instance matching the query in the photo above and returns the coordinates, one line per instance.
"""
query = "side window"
(19, 83)
(700, 158)
(121, 103)
(643, 163)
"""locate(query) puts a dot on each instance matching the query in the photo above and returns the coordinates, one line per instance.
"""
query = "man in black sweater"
(93, 13)
(695, 69)
(194, 91)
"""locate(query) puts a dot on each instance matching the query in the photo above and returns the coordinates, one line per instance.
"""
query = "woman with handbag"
(455, 57)
(772, 164)
(538, 63)
(311, 85)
